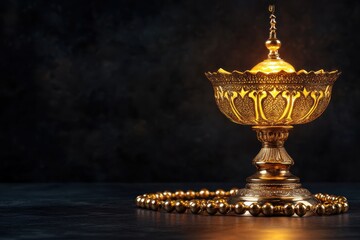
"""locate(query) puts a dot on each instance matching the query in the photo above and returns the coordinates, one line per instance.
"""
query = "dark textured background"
(115, 90)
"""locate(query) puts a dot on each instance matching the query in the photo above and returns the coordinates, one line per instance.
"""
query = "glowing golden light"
(273, 66)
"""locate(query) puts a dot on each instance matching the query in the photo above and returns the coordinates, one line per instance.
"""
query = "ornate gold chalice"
(271, 97)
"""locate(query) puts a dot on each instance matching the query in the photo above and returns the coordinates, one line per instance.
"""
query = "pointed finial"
(273, 44)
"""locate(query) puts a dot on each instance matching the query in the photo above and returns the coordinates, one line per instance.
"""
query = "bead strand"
(212, 203)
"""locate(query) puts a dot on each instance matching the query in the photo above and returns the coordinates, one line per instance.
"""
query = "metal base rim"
(276, 198)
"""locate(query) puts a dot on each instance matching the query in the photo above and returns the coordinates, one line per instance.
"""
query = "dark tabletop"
(107, 211)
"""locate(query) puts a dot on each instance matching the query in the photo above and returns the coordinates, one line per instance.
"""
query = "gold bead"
(239, 208)
(327, 196)
(342, 199)
(159, 196)
(204, 193)
(138, 201)
(300, 209)
(169, 206)
(345, 207)
(320, 209)
(190, 194)
(167, 195)
(203, 204)
(154, 204)
(180, 206)
(195, 207)
(233, 191)
(320, 196)
(147, 202)
(254, 209)
(329, 209)
(268, 209)
(142, 202)
(211, 208)
(224, 208)
(338, 208)
(179, 194)
(288, 209)
(220, 193)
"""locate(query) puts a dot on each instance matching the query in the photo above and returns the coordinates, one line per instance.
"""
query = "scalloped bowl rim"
(302, 71)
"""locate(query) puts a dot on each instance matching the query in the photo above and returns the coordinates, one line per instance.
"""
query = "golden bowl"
(270, 99)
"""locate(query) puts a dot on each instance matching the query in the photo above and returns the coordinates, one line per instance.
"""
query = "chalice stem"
(273, 162)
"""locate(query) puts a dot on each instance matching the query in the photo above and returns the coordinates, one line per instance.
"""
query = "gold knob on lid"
(273, 63)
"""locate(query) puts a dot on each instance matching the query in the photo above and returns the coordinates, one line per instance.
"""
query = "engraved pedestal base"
(278, 196)
(273, 183)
